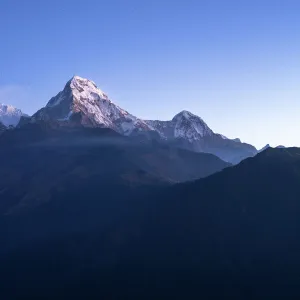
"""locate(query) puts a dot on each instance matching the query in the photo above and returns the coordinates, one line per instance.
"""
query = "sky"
(235, 63)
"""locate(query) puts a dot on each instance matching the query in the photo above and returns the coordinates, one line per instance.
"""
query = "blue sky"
(235, 63)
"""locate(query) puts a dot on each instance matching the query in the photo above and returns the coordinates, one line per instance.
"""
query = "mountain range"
(233, 234)
(96, 203)
(82, 103)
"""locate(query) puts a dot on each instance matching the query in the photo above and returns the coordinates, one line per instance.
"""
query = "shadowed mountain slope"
(234, 234)
(45, 158)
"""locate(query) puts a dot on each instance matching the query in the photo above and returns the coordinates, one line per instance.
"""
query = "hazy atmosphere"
(234, 63)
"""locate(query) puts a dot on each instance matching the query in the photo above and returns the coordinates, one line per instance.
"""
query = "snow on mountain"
(82, 97)
(82, 103)
(184, 125)
(10, 115)
(190, 126)
(189, 131)
(187, 126)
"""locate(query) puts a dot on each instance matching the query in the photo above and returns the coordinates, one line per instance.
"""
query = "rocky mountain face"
(82, 103)
(9, 115)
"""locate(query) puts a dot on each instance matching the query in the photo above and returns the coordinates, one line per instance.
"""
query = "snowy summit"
(82, 97)
(9, 115)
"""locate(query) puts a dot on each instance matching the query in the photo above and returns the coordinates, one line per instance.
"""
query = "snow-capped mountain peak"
(187, 115)
(86, 87)
(9, 109)
(188, 125)
(82, 96)
(9, 115)
(80, 87)
(184, 114)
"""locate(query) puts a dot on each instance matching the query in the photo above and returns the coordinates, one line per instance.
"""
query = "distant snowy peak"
(82, 97)
(190, 126)
(184, 125)
(186, 115)
(191, 132)
(9, 115)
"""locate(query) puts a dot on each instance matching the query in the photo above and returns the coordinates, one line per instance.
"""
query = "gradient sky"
(234, 63)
